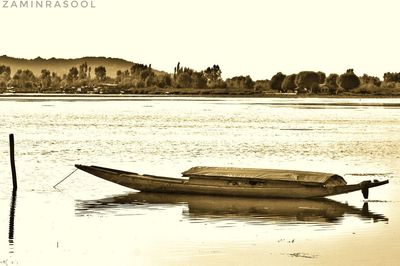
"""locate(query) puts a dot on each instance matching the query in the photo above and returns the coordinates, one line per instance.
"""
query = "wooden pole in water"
(12, 160)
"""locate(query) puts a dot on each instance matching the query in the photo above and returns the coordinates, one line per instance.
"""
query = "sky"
(245, 37)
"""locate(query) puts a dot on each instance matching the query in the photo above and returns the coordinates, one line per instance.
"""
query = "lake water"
(88, 221)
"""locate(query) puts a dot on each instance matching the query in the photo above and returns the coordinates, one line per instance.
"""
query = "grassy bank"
(188, 94)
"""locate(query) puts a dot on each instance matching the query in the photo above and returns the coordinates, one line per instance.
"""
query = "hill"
(61, 66)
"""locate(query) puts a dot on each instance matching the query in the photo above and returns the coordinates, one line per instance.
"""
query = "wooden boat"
(243, 182)
(270, 210)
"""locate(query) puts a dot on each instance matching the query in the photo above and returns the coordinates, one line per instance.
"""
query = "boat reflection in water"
(235, 208)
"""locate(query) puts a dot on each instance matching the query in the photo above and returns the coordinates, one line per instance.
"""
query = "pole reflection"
(11, 222)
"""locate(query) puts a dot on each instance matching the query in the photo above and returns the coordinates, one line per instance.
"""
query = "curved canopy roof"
(263, 174)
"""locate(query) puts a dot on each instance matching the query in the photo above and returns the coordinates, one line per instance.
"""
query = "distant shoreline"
(101, 75)
(84, 95)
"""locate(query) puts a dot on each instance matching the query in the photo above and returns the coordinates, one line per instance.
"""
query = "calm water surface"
(88, 221)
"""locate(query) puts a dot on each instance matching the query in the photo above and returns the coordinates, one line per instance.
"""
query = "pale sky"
(249, 37)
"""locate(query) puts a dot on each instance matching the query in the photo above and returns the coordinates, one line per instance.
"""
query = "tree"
(366, 79)
(213, 76)
(289, 83)
(391, 77)
(3, 86)
(185, 77)
(322, 77)
(331, 80)
(199, 81)
(136, 69)
(164, 80)
(100, 73)
(349, 80)
(184, 80)
(45, 79)
(83, 71)
(276, 81)
(248, 83)
(5, 72)
(240, 82)
(72, 74)
(24, 79)
(144, 74)
(305, 80)
(150, 81)
(123, 78)
(55, 80)
(213, 73)
(119, 76)
(261, 85)
(315, 88)
(5, 69)
(331, 83)
(16, 79)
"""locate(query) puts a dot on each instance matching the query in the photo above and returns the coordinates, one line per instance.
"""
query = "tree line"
(141, 78)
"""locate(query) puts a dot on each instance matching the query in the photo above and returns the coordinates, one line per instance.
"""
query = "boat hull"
(157, 184)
